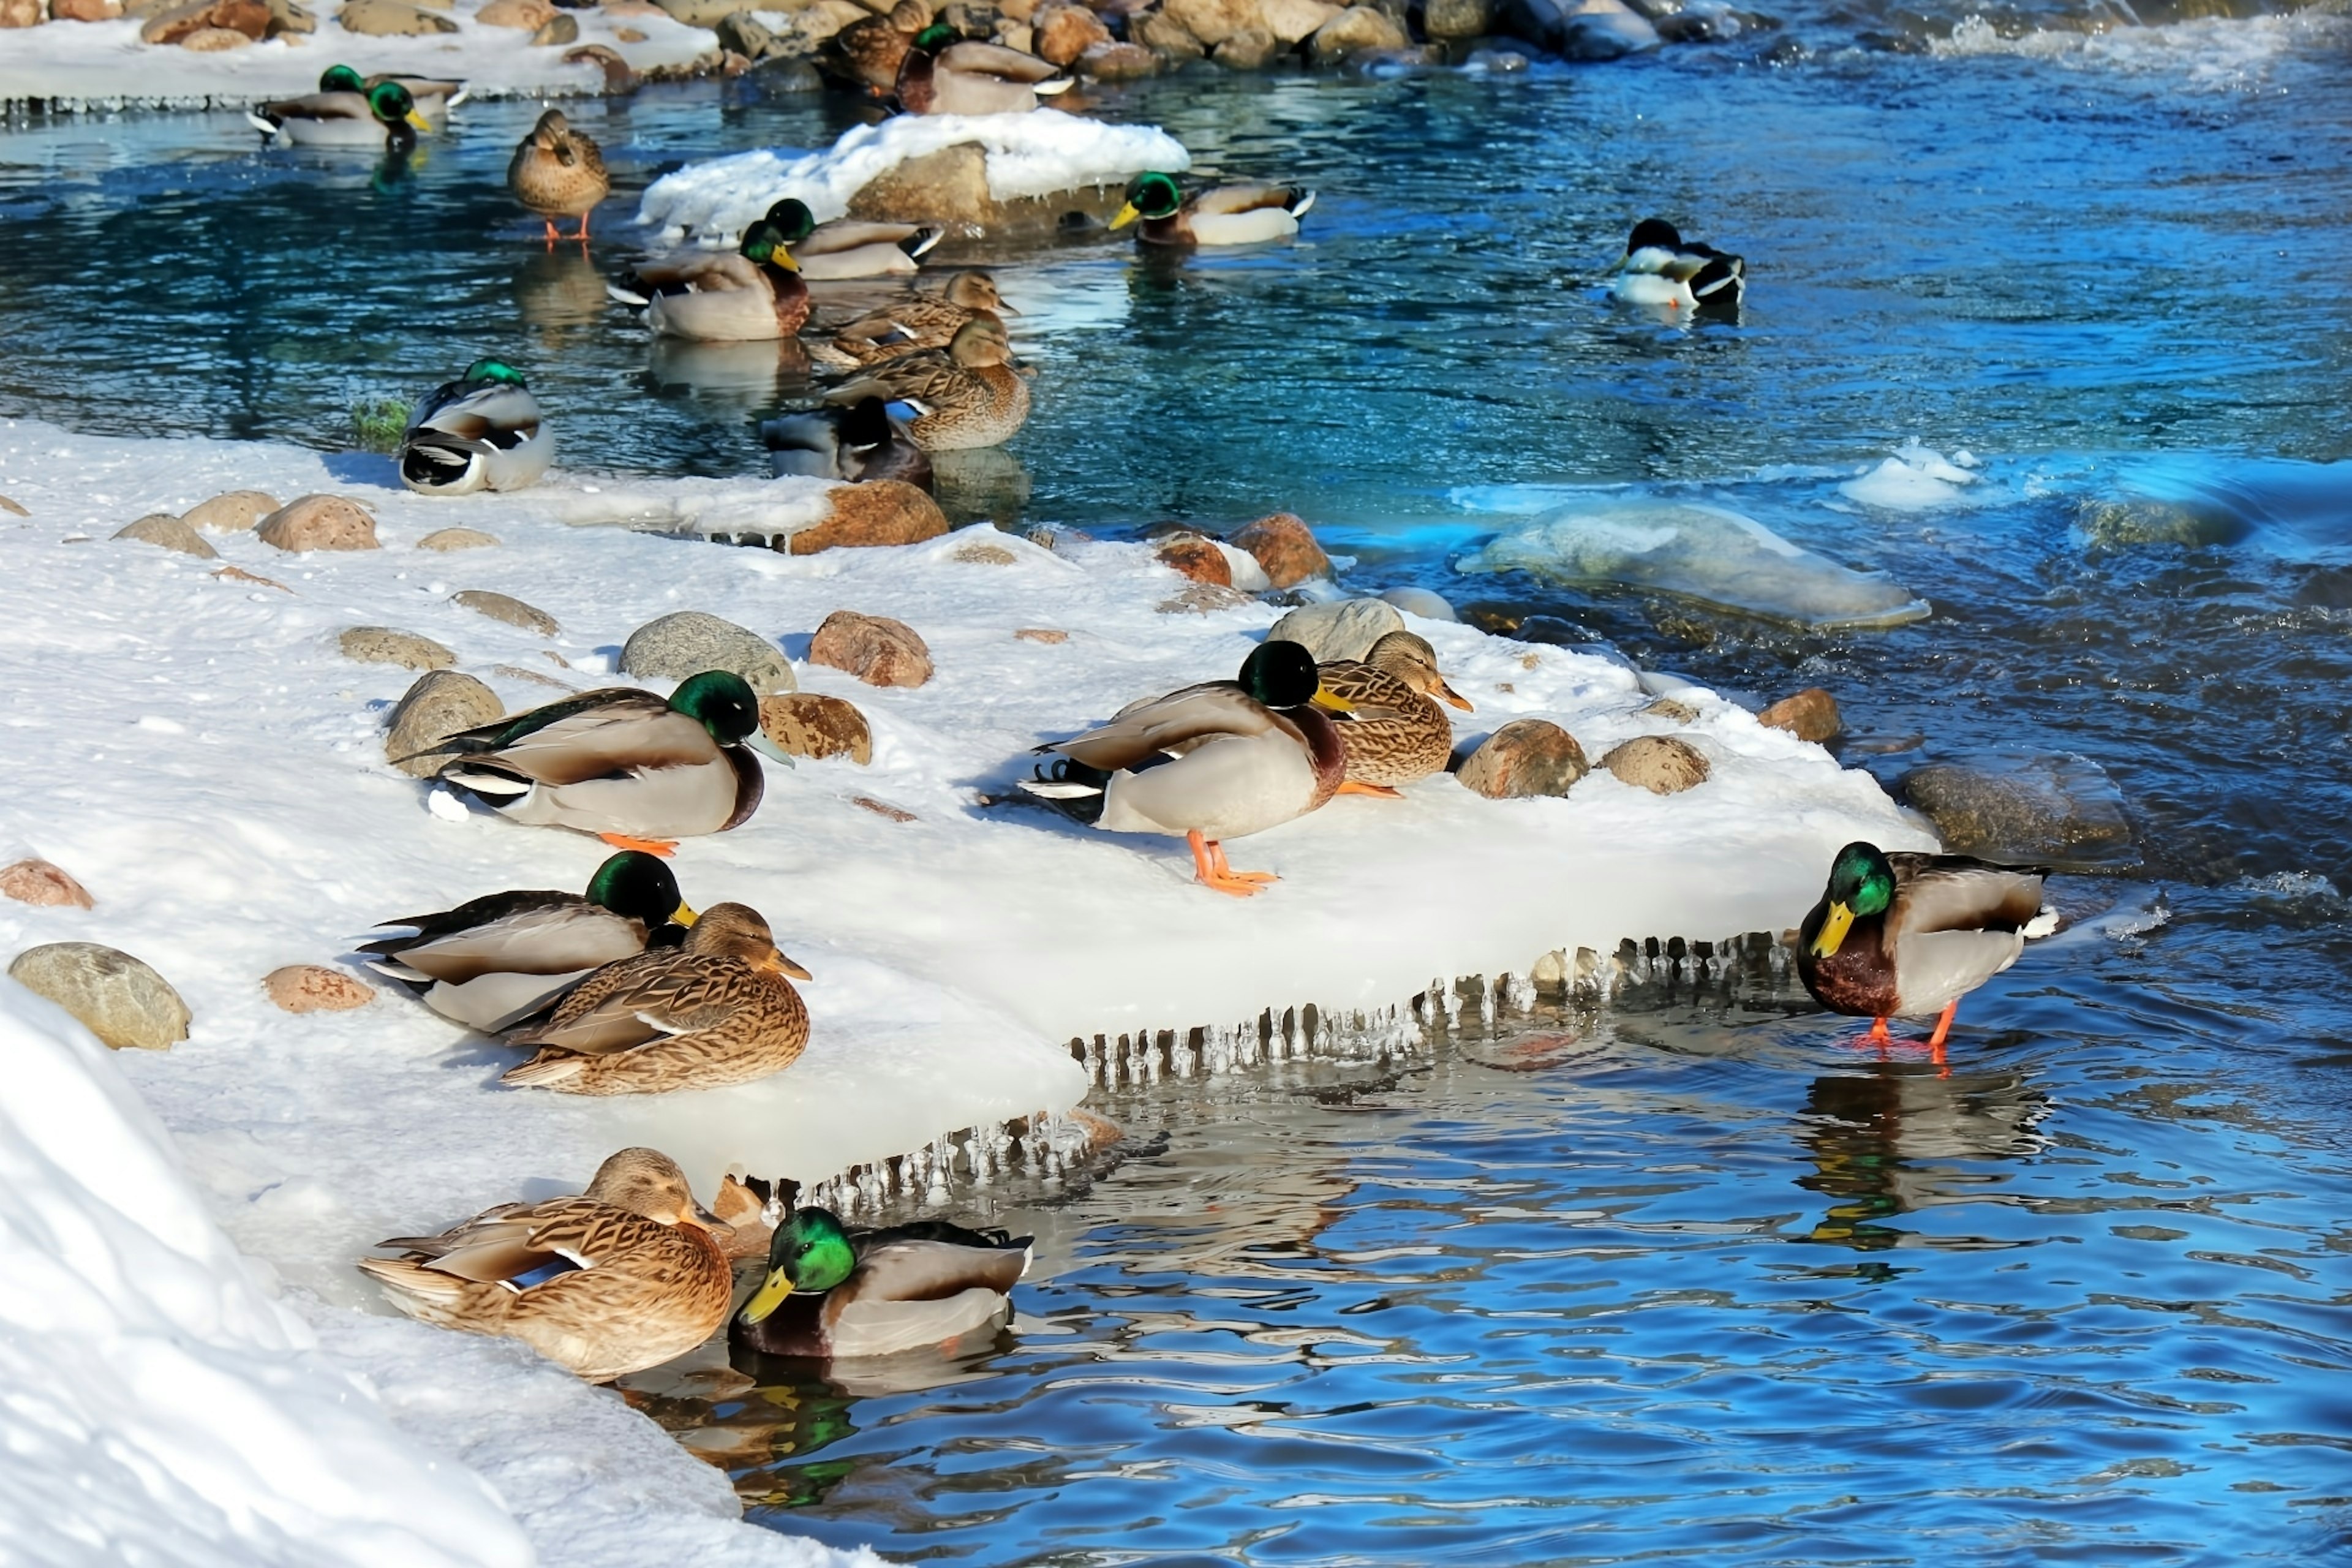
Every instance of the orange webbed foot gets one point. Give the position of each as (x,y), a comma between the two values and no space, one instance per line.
(1210,869)
(1382,791)
(665,847)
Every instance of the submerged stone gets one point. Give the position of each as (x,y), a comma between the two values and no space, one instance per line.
(2060,810)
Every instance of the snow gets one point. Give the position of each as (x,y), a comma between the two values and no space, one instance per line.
(1032,154)
(87,64)
(1916,479)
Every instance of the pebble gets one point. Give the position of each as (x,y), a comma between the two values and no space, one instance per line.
(1285,546)
(1201,598)
(536,677)
(40,882)
(313,988)
(810,724)
(982,554)
(1421,602)
(1042,634)
(513,612)
(873,514)
(390,19)
(1809,715)
(232,511)
(381,645)
(687,642)
(2022,807)
(1673,708)
(438,705)
(117,997)
(1197,558)
(523,15)
(1659,763)
(1060,33)
(319,522)
(1344,628)
(1524,757)
(15,507)
(163,528)
(882,808)
(458,539)
(877,649)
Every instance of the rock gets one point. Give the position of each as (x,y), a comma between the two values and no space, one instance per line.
(881,809)
(1524,757)
(1605,30)
(620,77)
(876,512)
(1251,49)
(1292,20)
(39,882)
(808,724)
(85,10)
(951,187)
(1016,35)
(1286,547)
(1811,715)
(1197,558)
(20,14)
(523,15)
(1215,21)
(1201,598)
(390,19)
(2143,520)
(117,997)
(514,612)
(1458,18)
(239,574)
(458,539)
(2022,807)
(313,988)
(877,649)
(286,17)
(381,645)
(15,508)
(1060,33)
(1117,62)
(1345,629)
(1357,27)
(1164,35)
(231,512)
(1041,634)
(1537,21)
(536,677)
(630,35)
(556,32)
(743,33)
(317,522)
(700,13)
(162,528)
(1681,713)
(1421,602)
(248,19)
(687,642)
(213,40)
(1659,763)
(437,707)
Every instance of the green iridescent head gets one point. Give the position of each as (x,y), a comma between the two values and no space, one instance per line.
(793,219)
(722,701)
(934,37)
(496,370)
(1279,674)
(811,1254)
(340,78)
(764,243)
(1862,884)
(389,102)
(638,887)
(1154,195)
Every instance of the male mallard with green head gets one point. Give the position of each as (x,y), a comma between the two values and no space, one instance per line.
(754,295)
(940,75)
(1222,215)
(432,96)
(833,1292)
(480,431)
(383,116)
(827,252)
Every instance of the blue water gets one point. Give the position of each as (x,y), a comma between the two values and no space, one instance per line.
(1697,1279)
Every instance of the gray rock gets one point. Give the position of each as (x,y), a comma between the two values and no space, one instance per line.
(162,528)
(381,645)
(688,642)
(440,703)
(1524,757)
(2057,809)
(700,13)
(743,32)
(499,608)
(1459,18)
(1421,602)
(117,997)
(2109,524)
(1659,763)
(1537,21)
(1605,34)
(1344,628)
(556,32)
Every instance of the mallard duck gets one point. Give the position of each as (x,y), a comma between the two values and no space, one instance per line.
(829,251)
(754,295)
(940,75)
(625,1276)
(1394,731)
(433,98)
(638,772)
(1222,215)
(493,961)
(1213,762)
(480,431)
(1661,269)
(966,395)
(836,1293)
(858,442)
(1903,935)
(718,1010)
(865,56)
(922,321)
(383,116)
(557,171)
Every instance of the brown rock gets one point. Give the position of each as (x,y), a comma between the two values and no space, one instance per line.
(116,997)
(1042,634)
(745,1214)
(390,19)
(1357,27)
(1811,715)
(1291,20)
(440,704)
(213,40)
(39,882)
(1286,547)
(1251,49)
(523,15)
(1117,62)
(313,988)
(877,649)
(1524,757)
(248,17)
(20,14)
(1164,35)
(1459,18)
(239,574)
(620,77)
(85,10)
(1015,36)
(162,528)
(458,539)
(1215,21)
(807,724)
(317,522)
(232,512)
(1659,763)
(290,21)
(513,612)
(879,512)
(1060,33)
(1198,558)
(637,36)
(557,31)
(16,506)
(882,808)
(381,645)
(1201,598)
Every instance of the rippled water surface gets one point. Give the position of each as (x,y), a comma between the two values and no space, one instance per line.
(1697,1279)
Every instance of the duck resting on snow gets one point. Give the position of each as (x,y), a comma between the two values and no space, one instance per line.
(1904,935)
(833,1292)
(1662,269)
(1222,215)
(480,431)
(1393,729)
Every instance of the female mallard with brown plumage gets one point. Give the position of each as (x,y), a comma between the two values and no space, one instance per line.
(865,56)
(966,395)
(1222,215)
(557,171)
(940,75)
(752,295)
(1217,761)
(716,1011)
(922,321)
(1904,935)
(833,1292)
(1395,732)
(829,252)
(622,1277)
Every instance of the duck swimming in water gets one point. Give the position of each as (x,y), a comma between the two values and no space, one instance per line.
(1661,269)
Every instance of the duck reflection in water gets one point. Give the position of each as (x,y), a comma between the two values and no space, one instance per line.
(1899,1136)
(560,288)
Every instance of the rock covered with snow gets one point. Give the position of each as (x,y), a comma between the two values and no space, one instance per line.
(1342,628)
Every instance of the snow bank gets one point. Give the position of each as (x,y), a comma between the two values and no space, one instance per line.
(154,1404)
(103,65)
(1032,154)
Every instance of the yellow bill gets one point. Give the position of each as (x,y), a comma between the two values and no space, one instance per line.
(683,916)
(767,1297)
(1126,214)
(419,121)
(1833,929)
